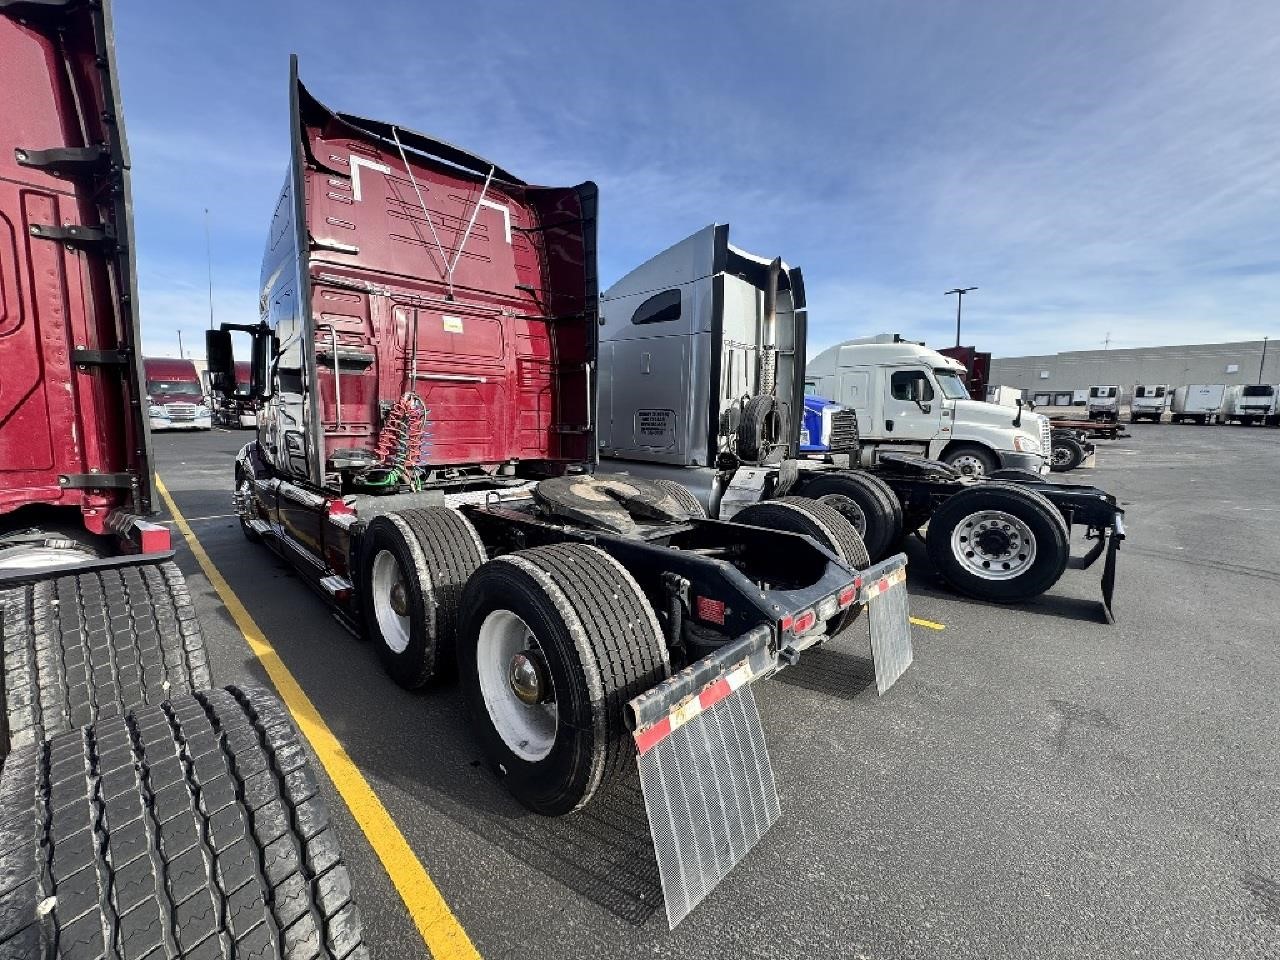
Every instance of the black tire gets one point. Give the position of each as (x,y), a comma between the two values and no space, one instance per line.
(1070,457)
(760,428)
(44,546)
(244,489)
(825,524)
(970,460)
(875,499)
(682,496)
(1047,527)
(81,647)
(190,829)
(435,550)
(601,644)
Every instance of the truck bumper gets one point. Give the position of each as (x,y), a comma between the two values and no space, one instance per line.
(1023,461)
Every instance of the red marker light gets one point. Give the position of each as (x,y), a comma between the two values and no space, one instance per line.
(847,596)
(804,622)
(786,622)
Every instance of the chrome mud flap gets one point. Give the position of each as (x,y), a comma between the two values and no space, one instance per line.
(708,785)
(884,591)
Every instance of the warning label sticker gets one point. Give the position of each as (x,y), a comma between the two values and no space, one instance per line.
(655,428)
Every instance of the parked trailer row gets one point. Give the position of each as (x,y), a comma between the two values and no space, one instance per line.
(142,813)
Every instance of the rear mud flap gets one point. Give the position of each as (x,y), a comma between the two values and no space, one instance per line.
(709,790)
(888,621)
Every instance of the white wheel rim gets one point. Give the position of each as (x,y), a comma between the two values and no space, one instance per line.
(528,730)
(969,465)
(37,557)
(993,545)
(387,578)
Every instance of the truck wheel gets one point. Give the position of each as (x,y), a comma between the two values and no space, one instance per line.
(875,500)
(415,564)
(244,495)
(92,645)
(190,829)
(1067,454)
(36,547)
(999,541)
(682,496)
(555,641)
(1017,474)
(970,461)
(822,522)
(760,427)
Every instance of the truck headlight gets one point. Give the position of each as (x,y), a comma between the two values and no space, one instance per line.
(202,411)
(1025,444)
(158,412)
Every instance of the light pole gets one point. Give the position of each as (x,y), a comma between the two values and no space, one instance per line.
(208,253)
(959,292)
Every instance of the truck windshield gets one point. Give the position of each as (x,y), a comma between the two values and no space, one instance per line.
(174,388)
(1258,391)
(951,385)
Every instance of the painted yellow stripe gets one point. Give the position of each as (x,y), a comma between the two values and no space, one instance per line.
(440,929)
(932,625)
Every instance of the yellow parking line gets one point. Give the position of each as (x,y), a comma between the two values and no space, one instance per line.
(436,923)
(928,623)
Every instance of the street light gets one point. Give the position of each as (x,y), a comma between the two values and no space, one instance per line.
(959,292)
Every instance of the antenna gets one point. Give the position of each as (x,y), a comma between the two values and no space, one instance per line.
(1106,343)
(181,353)
(208,253)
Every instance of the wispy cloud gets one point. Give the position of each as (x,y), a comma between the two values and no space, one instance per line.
(1094,168)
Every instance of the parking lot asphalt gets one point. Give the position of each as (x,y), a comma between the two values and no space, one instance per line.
(1038,784)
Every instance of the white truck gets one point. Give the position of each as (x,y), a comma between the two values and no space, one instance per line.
(1247,404)
(1148,402)
(1103,402)
(1197,402)
(1004,396)
(911,399)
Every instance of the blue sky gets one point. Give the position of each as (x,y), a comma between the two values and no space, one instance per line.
(1093,167)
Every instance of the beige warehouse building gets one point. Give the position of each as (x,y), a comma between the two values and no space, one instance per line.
(1191,363)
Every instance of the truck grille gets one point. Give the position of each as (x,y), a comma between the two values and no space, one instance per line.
(1046,437)
(844,432)
(181,411)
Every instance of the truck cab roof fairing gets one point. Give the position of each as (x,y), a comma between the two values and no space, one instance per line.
(422,226)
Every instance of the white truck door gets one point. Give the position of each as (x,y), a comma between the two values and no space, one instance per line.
(912,406)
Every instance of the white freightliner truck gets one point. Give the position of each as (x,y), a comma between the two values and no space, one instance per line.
(1148,401)
(911,399)
(1248,403)
(700,382)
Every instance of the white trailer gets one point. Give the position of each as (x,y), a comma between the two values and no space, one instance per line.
(1247,404)
(1197,402)
(1003,396)
(1148,402)
(1104,402)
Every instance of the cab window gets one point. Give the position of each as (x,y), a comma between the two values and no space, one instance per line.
(910,385)
(1159,391)
(1140,392)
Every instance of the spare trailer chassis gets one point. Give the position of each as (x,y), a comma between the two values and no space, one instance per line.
(757,598)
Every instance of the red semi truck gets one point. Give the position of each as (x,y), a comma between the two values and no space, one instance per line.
(175,395)
(141,813)
(426,444)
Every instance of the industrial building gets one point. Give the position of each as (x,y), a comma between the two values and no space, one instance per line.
(1076,370)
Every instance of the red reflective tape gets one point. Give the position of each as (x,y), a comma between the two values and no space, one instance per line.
(883,585)
(648,738)
(714,693)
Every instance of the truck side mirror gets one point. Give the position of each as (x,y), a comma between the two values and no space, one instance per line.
(221,359)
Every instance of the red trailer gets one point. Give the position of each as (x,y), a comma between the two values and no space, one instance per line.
(977,365)
(135,802)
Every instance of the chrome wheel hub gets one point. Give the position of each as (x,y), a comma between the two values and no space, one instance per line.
(993,545)
(516,685)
